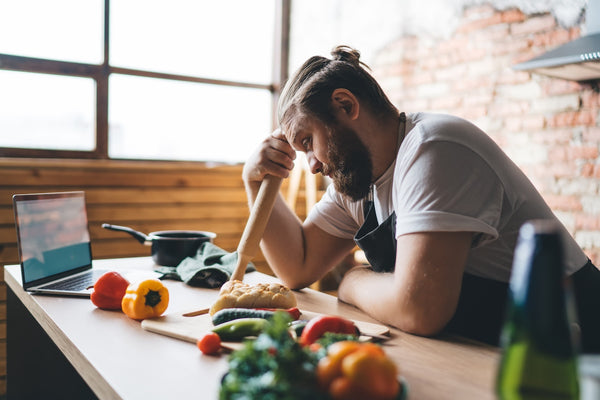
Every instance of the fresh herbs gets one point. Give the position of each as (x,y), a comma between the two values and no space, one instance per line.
(274,366)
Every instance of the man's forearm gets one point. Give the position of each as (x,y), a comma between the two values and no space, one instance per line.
(370,291)
(252,189)
(380,296)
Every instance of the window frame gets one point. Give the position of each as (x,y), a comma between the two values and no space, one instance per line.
(100,73)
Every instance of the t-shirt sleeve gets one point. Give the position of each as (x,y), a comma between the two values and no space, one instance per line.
(336,215)
(445,186)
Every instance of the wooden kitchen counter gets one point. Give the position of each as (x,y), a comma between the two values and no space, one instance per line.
(70,349)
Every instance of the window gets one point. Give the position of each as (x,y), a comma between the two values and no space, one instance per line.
(33,116)
(139,79)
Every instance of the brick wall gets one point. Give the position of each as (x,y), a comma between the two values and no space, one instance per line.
(548,126)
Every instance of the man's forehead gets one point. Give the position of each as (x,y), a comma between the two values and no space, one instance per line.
(295,125)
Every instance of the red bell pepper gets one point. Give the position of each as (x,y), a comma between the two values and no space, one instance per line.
(316,327)
(109,290)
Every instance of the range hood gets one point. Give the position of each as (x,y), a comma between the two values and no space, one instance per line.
(578,60)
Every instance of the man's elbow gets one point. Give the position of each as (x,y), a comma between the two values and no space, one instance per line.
(299,279)
(294,283)
(421,323)
(421,328)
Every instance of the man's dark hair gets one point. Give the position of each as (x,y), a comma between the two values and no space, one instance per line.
(309,90)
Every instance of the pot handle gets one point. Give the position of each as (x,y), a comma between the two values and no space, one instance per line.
(139,236)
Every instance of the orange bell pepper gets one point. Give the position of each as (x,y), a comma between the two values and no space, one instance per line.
(146,299)
(373,373)
(353,370)
(330,367)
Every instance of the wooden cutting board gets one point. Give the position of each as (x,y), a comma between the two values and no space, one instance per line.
(191,326)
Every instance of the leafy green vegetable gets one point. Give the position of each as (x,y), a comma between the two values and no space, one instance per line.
(329,338)
(274,366)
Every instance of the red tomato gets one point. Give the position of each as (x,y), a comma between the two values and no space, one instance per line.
(209,344)
(109,290)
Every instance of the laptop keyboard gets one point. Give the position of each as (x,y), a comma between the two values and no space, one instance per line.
(78,282)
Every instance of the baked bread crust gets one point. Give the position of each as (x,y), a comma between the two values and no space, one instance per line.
(262,295)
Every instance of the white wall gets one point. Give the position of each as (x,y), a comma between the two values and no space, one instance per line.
(319,25)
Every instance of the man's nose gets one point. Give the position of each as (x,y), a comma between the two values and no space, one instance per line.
(315,165)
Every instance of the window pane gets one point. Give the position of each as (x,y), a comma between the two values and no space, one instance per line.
(66,30)
(226,39)
(41,111)
(161,119)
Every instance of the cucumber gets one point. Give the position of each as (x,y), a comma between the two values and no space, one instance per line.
(229,314)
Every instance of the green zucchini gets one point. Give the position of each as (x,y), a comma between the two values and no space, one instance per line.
(240,328)
(230,314)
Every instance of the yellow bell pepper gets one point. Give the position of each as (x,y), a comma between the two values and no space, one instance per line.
(146,299)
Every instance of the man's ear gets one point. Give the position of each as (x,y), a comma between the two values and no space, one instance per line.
(346,103)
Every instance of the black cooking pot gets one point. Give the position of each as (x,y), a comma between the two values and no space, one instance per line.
(169,248)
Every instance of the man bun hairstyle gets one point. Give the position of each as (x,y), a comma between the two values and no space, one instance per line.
(347,54)
(309,89)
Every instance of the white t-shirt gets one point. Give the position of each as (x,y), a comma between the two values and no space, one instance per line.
(450,176)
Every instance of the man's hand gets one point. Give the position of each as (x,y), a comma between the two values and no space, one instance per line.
(274,157)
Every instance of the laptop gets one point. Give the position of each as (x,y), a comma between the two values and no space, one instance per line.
(54,243)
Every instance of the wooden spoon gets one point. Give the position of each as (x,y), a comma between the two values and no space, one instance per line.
(255,227)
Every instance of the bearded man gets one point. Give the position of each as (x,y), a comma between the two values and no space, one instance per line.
(432,201)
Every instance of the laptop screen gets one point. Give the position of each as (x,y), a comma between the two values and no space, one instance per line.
(53,235)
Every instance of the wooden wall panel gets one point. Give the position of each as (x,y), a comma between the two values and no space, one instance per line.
(147,196)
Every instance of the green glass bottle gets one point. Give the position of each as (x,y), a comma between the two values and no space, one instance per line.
(539,357)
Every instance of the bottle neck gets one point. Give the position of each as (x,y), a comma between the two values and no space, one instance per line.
(538,293)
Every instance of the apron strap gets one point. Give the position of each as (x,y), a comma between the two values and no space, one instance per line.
(378,241)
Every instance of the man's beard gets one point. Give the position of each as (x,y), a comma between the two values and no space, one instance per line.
(350,166)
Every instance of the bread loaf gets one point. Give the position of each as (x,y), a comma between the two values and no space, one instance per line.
(263,295)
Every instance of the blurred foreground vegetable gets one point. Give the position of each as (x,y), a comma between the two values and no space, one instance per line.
(356,371)
(334,365)
(274,366)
